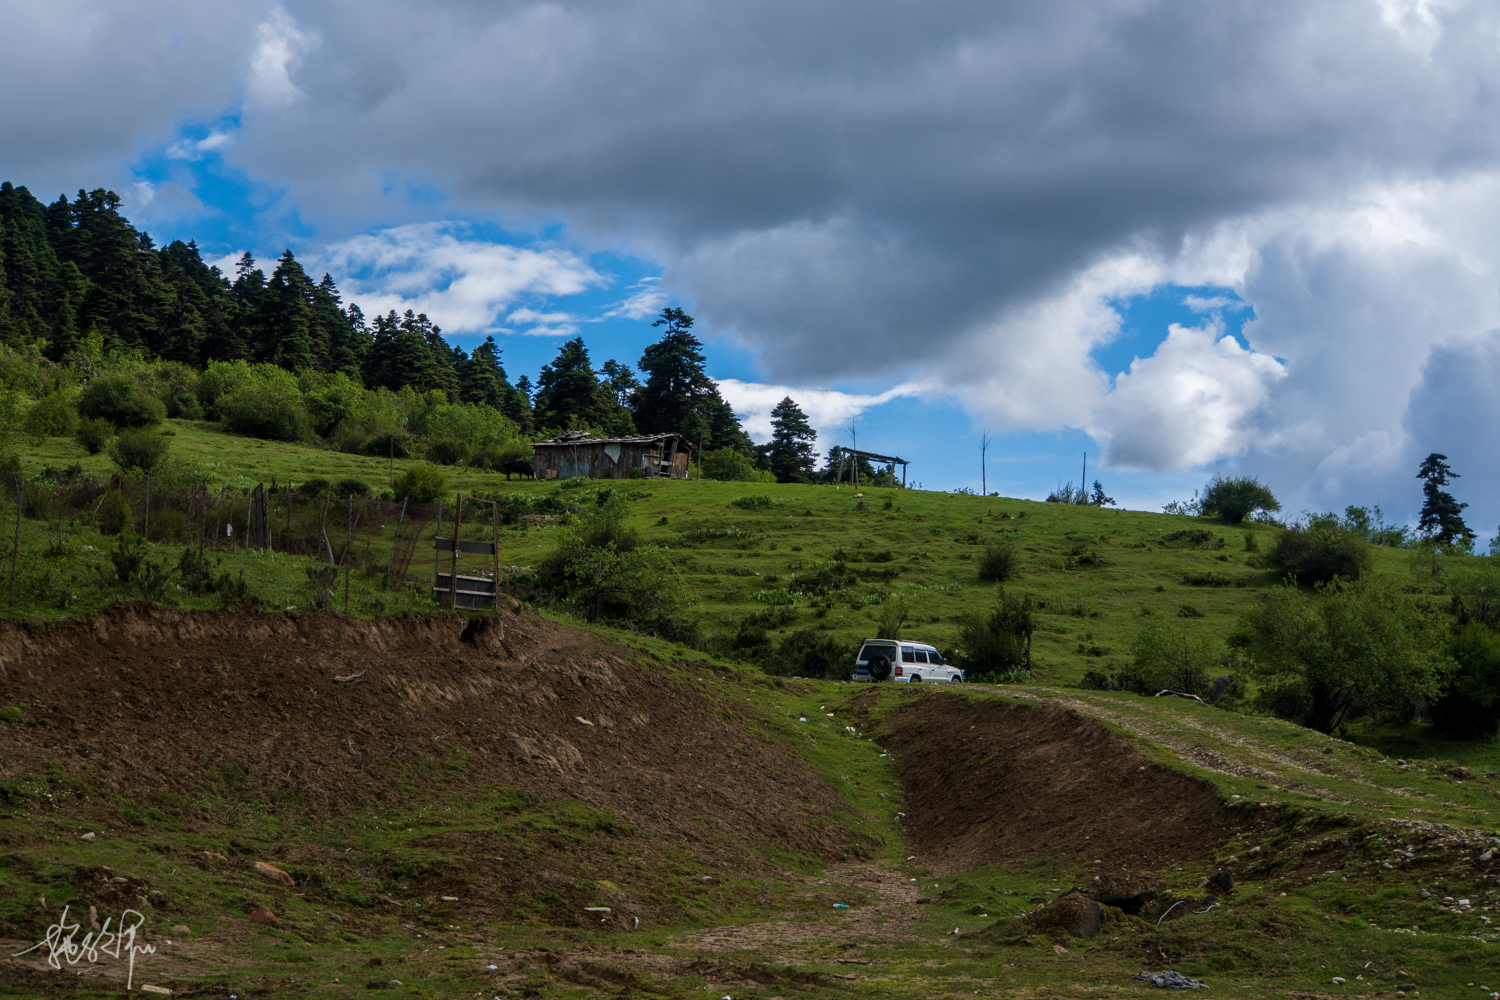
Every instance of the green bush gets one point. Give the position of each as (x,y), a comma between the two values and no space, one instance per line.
(182,404)
(1233,500)
(114,513)
(1168,656)
(351,487)
(387,445)
(1000,641)
(314,487)
(139,449)
(261,401)
(423,483)
(1318,552)
(752,503)
(51,416)
(93,434)
(447,451)
(729,466)
(810,652)
(999,562)
(1469,709)
(120,401)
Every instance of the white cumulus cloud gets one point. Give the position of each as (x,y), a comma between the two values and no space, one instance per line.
(1188,404)
(829,411)
(464,284)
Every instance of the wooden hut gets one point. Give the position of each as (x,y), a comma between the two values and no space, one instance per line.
(577,454)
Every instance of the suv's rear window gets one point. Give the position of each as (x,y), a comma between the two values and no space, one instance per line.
(871,649)
(908,656)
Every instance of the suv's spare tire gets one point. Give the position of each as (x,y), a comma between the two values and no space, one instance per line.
(879,667)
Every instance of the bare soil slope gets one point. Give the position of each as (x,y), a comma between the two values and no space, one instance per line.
(989,781)
(322,717)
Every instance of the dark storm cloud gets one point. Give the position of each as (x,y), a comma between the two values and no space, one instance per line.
(950,192)
(826,177)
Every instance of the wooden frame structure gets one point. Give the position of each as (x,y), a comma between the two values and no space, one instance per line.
(872,457)
(468,591)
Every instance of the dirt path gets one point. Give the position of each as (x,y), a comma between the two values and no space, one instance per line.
(887,919)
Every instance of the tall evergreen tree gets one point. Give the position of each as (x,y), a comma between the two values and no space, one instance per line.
(676,384)
(621,381)
(1442,515)
(569,396)
(285,317)
(481,377)
(790,452)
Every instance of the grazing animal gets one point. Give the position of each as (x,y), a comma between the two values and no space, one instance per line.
(519,465)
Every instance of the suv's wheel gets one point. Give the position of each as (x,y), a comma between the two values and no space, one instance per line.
(879,667)
(915,678)
(954,679)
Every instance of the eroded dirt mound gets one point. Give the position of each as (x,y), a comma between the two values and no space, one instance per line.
(989,781)
(334,717)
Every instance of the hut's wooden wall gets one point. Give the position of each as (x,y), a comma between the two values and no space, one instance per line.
(592,459)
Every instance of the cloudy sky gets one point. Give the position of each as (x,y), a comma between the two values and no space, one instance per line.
(1179,236)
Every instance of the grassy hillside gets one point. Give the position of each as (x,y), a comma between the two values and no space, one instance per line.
(1098,574)
(481,796)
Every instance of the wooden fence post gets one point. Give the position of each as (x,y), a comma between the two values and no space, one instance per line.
(396,542)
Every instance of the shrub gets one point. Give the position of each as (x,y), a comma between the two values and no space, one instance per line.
(114,513)
(423,483)
(351,487)
(752,503)
(1000,641)
(1470,707)
(600,568)
(810,652)
(51,416)
(270,419)
(139,449)
(388,445)
(93,434)
(1168,656)
(1345,645)
(729,466)
(182,404)
(260,400)
(1319,552)
(1233,500)
(447,451)
(314,487)
(1193,538)
(1000,562)
(120,401)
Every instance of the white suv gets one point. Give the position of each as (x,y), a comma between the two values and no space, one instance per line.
(893,660)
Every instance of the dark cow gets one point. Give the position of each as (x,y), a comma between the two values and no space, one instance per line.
(519,465)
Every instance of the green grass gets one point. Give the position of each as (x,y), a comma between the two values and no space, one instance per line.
(1101,573)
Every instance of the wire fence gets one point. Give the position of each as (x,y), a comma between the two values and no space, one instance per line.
(402,544)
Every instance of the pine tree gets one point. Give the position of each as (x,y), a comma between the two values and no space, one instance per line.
(285,317)
(676,384)
(1442,515)
(481,377)
(790,452)
(621,381)
(570,397)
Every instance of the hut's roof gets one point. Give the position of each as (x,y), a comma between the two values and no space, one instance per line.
(583,437)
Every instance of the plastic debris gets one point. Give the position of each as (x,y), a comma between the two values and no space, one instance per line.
(841,906)
(88,838)
(1170,980)
(1337,980)
(491,968)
